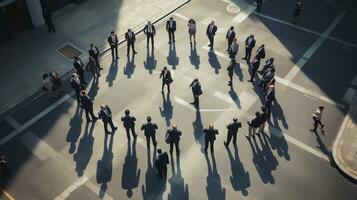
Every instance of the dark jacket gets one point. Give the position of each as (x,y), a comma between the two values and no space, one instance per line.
(210,133)
(92,53)
(86,102)
(171,29)
(251,44)
(255,63)
(149,128)
(111,42)
(105,114)
(213,32)
(255,123)
(162,160)
(261,52)
(196,87)
(167,79)
(233,127)
(128,121)
(230,37)
(174,134)
(129,39)
(77,86)
(79,66)
(146,29)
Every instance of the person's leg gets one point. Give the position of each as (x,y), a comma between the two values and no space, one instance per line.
(231,79)
(78,97)
(148,141)
(127,48)
(160,171)
(268,105)
(116,51)
(164,169)
(169,37)
(168,87)
(249,131)
(190,36)
(112,125)
(147,41)
(152,41)
(106,127)
(211,142)
(87,114)
(229,44)
(171,147)
(177,147)
(133,131)
(127,133)
(249,54)
(206,145)
(234,138)
(133,47)
(173,36)
(212,42)
(194,38)
(315,124)
(112,51)
(229,137)
(162,86)
(154,140)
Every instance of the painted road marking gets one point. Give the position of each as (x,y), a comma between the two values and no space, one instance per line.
(12,122)
(6,195)
(181,16)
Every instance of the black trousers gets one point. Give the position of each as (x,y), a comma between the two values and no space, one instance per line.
(49,24)
(131,44)
(316,123)
(211,40)
(153,138)
(112,49)
(110,122)
(259,5)
(253,73)
(78,93)
(230,78)
(171,36)
(268,107)
(163,85)
(248,53)
(176,143)
(96,58)
(210,143)
(128,129)
(162,171)
(230,136)
(89,111)
(196,99)
(229,44)
(148,37)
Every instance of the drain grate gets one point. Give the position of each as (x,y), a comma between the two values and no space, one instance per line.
(69,51)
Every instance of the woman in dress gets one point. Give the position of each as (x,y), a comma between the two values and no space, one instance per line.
(192,30)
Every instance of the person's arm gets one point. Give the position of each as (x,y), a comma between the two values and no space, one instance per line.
(142,127)
(155,126)
(167,25)
(153,29)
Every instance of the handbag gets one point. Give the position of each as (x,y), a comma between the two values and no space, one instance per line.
(167,138)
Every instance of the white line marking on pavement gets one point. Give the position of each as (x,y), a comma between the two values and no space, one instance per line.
(34,119)
(72,188)
(12,122)
(181,16)
(244,14)
(223,97)
(37,146)
(348,96)
(184,103)
(295,69)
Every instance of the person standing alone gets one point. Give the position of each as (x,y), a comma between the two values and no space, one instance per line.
(129,124)
(211,32)
(317,119)
(113,42)
(171,28)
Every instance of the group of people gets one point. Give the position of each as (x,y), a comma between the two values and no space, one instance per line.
(52,84)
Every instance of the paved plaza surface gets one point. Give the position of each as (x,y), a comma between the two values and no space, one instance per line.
(55,154)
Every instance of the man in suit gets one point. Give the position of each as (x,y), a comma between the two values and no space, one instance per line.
(298,8)
(149,31)
(269,98)
(233,50)
(230,37)
(161,161)
(87,104)
(149,129)
(129,124)
(255,65)
(230,70)
(48,20)
(249,45)
(268,75)
(196,91)
(232,131)
(79,67)
(268,64)
(106,115)
(261,52)
(259,4)
(166,79)
(113,42)
(211,32)
(94,52)
(77,86)
(174,135)
(130,39)
(171,28)
(317,119)
(210,137)
(253,124)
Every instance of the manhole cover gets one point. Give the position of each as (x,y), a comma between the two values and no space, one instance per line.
(233,8)
(69,51)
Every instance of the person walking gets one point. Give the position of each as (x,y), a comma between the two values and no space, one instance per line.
(94,52)
(149,129)
(92,67)
(173,138)
(254,68)
(317,119)
(232,131)
(196,91)
(149,31)
(211,32)
(87,105)
(130,39)
(171,28)
(249,45)
(210,137)
(161,162)
(230,70)
(3,166)
(79,67)
(253,126)
(113,43)
(230,36)
(260,52)
(166,79)
(129,124)
(192,30)
(259,4)
(48,20)
(298,8)
(106,115)
(77,86)
(233,50)
(269,98)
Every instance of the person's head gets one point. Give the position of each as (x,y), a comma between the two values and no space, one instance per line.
(75,57)
(235,39)
(165,68)
(84,93)
(257,114)
(171,18)
(129,193)
(102,106)
(91,45)
(272,69)
(211,126)
(74,75)
(112,32)
(148,118)
(235,119)
(159,151)
(252,36)
(262,45)
(129,30)
(191,21)
(272,59)
(127,112)
(149,22)
(232,27)
(174,126)
(196,79)
(44,76)
(321,107)
(212,22)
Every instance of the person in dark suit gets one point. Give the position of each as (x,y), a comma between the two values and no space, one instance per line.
(232,131)
(230,70)
(94,52)
(196,91)
(261,52)
(48,20)
(269,98)
(87,104)
(149,31)
(129,124)
(171,28)
(106,115)
(259,4)
(166,79)
(161,161)
(211,32)
(230,36)
(173,135)
(267,76)
(268,64)
(3,166)
(113,42)
(253,124)
(79,67)
(249,45)
(77,86)
(130,39)
(210,137)
(255,66)
(298,8)
(233,50)
(149,129)
(263,119)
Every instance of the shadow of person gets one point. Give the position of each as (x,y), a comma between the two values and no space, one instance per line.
(179,190)
(150,63)
(278,114)
(85,149)
(167,109)
(323,147)
(75,131)
(213,61)
(198,129)
(238,71)
(240,178)
(172,58)
(154,187)
(278,143)
(232,93)
(112,74)
(130,66)
(214,186)
(105,165)
(194,57)
(131,175)
(93,91)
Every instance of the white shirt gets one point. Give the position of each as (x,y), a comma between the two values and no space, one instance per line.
(230,33)
(170,23)
(149,29)
(94,50)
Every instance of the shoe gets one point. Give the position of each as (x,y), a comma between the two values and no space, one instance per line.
(100,68)
(115,128)
(250,80)
(173,41)
(244,58)
(322,126)
(192,103)
(135,52)
(162,91)
(209,45)
(225,144)
(313,130)
(169,43)
(227,50)
(127,54)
